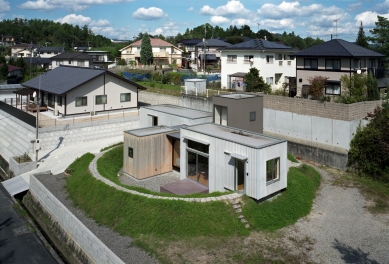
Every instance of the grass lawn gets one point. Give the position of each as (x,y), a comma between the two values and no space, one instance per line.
(178,231)
(160,88)
(291,158)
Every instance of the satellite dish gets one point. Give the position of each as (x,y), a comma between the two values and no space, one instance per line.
(251,60)
(359,71)
(34,94)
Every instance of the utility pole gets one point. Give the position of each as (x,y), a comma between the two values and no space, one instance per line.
(205,46)
(258,30)
(336,27)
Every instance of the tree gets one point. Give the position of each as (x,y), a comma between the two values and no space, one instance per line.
(4,71)
(381,33)
(369,149)
(354,88)
(255,83)
(2,59)
(146,51)
(361,39)
(372,88)
(234,40)
(12,61)
(318,84)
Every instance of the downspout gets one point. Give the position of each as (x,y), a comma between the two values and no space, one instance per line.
(65,103)
(104,92)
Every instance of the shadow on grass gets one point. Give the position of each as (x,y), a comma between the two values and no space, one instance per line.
(352,255)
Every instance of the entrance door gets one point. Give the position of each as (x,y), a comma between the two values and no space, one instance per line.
(239,175)
(176,154)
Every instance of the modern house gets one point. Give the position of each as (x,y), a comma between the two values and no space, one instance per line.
(48,52)
(164,52)
(7,40)
(70,90)
(226,158)
(100,58)
(273,60)
(188,46)
(172,115)
(333,59)
(205,150)
(243,111)
(78,59)
(210,49)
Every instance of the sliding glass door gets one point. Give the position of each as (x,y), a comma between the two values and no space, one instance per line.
(198,167)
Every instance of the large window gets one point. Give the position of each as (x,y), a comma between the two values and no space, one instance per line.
(269,80)
(272,169)
(81,101)
(248,58)
(357,63)
(125,97)
(310,63)
(50,99)
(269,59)
(332,64)
(371,63)
(231,58)
(80,63)
(198,146)
(333,88)
(101,99)
(197,162)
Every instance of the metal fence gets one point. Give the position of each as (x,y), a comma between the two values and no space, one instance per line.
(19,114)
(45,121)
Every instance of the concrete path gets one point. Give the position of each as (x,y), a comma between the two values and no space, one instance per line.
(19,243)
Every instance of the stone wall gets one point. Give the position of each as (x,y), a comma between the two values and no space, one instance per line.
(75,241)
(156,99)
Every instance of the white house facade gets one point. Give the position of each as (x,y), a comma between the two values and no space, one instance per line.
(271,59)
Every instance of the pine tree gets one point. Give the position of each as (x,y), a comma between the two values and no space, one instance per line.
(146,51)
(361,39)
(12,61)
(3,71)
(380,35)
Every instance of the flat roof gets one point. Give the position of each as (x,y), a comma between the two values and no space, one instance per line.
(179,111)
(147,131)
(243,137)
(238,95)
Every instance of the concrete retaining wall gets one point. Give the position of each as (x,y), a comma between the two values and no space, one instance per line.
(81,245)
(156,99)
(199,103)
(61,136)
(21,168)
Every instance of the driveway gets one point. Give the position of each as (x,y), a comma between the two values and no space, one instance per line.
(341,228)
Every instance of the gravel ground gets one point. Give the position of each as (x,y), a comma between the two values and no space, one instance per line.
(152,183)
(120,245)
(342,229)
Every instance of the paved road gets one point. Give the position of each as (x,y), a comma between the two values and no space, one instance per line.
(18,244)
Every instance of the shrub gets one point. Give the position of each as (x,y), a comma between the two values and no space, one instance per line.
(369,149)
(318,84)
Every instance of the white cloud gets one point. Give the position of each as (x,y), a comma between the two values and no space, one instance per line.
(152,13)
(190,8)
(4,6)
(368,18)
(284,24)
(74,5)
(293,10)
(158,31)
(113,33)
(232,8)
(219,20)
(382,6)
(101,25)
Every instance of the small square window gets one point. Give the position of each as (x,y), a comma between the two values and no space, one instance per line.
(252,116)
(272,169)
(81,101)
(101,99)
(130,152)
(125,97)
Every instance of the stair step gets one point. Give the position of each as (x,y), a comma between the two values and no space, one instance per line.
(239,210)
(247,226)
(236,206)
(241,216)
(244,220)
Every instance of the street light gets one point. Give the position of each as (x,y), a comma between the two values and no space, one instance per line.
(37,103)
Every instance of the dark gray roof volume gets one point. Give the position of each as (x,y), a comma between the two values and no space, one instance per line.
(213,43)
(257,44)
(72,55)
(51,49)
(337,48)
(65,78)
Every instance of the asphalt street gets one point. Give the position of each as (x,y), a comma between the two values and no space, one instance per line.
(19,243)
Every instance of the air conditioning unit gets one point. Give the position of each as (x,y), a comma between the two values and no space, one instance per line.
(56,112)
(92,113)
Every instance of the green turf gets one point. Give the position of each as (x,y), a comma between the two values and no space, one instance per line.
(291,158)
(285,209)
(135,215)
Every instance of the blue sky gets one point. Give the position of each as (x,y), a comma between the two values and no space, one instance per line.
(123,19)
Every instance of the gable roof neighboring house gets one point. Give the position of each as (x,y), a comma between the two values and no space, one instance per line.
(154,42)
(189,42)
(257,44)
(66,78)
(72,59)
(47,51)
(337,48)
(72,55)
(213,43)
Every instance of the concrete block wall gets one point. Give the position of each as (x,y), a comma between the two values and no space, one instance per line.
(199,103)
(62,136)
(156,99)
(21,168)
(15,136)
(88,243)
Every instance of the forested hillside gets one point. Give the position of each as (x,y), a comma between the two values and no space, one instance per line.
(46,32)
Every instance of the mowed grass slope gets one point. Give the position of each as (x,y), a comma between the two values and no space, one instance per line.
(135,215)
(287,208)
